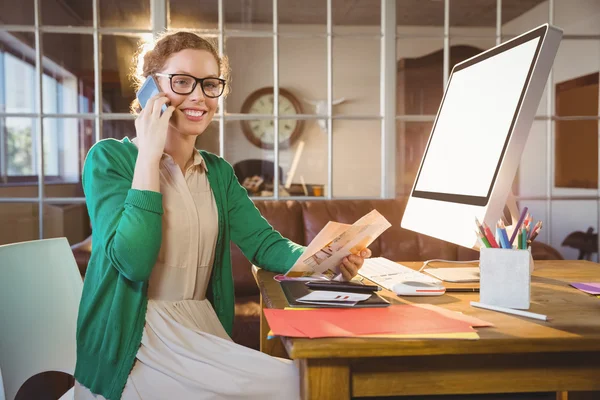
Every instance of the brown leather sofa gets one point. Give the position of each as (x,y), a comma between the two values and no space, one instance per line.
(300,221)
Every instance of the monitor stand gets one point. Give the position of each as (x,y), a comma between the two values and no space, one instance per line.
(510,216)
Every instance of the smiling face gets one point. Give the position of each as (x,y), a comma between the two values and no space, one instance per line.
(194,111)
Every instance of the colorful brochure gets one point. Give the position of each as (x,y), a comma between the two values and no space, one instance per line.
(336,241)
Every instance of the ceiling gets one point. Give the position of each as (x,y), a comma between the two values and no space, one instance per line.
(463,13)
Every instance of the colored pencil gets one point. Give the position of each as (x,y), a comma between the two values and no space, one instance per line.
(518,226)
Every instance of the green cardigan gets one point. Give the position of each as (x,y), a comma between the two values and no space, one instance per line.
(126,239)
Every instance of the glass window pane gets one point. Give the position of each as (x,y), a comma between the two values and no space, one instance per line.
(60,220)
(303,71)
(52,142)
(574,225)
(117,64)
(66,142)
(416,17)
(302,16)
(532,176)
(250,161)
(304,163)
(118,129)
(17,12)
(411,141)
(209,139)
(71,65)
(19,221)
(307,176)
(577,81)
(18,149)
(67,13)
(520,16)
(50,94)
(577,17)
(125,14)
(262,101)
(462,48)
(251,62)
(68,220)
(19,95)
(347,15)
(352,178)
(576,155)
(199,14)
(577,96)
(356,84)
(254,15)
(419,78)
(473,18)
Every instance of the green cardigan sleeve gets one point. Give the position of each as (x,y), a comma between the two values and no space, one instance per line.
(126,223)
(260,243)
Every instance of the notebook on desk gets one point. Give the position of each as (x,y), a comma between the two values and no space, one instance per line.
(294,290)
(387,273)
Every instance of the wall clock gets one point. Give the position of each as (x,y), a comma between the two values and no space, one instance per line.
(261,133)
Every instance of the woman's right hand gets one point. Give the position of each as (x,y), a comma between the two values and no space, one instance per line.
(151,127)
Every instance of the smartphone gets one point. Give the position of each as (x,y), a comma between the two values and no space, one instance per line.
(342,286)
(148,89)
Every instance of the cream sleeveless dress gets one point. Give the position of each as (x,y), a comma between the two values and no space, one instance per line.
(185,352)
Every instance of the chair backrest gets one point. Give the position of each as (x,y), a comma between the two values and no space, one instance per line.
(40,290)
(1,387)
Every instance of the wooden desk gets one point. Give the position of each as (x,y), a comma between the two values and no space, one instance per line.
(517,355)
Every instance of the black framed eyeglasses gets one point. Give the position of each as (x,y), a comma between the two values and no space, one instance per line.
(185,84)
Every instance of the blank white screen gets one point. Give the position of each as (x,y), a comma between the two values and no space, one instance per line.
(474,122)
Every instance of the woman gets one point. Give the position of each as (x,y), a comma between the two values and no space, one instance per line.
(158,304)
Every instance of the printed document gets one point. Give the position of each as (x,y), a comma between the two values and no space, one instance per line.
(336,241)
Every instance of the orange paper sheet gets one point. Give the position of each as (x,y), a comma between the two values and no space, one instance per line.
(396,320)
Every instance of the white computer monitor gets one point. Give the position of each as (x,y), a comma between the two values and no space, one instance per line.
(478,137)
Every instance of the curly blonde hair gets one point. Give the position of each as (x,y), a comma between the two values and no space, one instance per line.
(165,45)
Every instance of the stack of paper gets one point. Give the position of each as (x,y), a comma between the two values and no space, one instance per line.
(399,321)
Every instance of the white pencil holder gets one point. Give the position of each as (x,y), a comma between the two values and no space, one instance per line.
(505,277)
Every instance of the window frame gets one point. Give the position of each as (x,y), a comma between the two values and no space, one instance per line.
(388,114)
(54,116)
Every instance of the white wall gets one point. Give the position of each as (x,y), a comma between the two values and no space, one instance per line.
(575,58)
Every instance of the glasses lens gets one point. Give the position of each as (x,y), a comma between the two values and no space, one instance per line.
(213,87)
(182,84)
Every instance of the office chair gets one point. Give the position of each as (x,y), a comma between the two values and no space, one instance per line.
(40,288)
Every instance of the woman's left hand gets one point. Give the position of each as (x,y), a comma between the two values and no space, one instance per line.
(351,264)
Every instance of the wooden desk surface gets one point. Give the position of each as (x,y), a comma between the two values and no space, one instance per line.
(575,324)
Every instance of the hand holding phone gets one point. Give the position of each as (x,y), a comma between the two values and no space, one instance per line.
(148,89)
(153,122)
